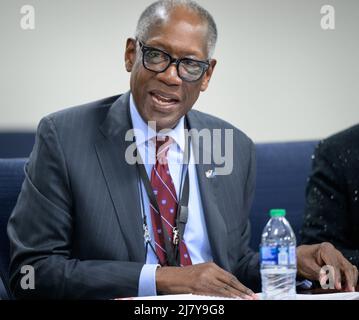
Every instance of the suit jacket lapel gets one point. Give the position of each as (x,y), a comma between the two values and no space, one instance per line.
(121,177)
(209,189)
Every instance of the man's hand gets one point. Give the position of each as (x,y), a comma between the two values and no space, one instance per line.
(202,279)
(311,258)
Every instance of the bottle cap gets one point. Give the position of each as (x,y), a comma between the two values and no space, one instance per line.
(277,212)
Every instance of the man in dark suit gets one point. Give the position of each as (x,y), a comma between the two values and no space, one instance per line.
(332,207)
(93,224)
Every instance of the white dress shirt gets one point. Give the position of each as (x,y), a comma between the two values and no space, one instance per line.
(195,235)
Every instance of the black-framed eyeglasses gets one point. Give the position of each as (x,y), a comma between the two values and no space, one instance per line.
(157,60)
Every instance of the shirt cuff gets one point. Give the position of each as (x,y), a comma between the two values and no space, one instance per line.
(147,281)
(304,284)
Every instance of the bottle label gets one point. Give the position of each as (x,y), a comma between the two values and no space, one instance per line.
(292,255)
(278,255)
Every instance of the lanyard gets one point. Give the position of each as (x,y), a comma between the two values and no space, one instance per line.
(172,249)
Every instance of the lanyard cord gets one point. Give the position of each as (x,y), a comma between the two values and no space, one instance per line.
(181,212)
(146,233)
(172,249)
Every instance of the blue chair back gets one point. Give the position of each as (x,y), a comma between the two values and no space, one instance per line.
(11,178)
(16,144)
(282,172)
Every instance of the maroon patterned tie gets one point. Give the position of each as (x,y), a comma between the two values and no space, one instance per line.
(165,193)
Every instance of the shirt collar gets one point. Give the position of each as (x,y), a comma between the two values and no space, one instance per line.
(143,132)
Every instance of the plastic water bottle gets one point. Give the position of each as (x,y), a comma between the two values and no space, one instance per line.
(278,258)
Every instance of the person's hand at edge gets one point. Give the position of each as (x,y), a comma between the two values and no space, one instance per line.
(311,259)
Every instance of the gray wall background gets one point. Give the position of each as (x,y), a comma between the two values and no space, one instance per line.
(279,76)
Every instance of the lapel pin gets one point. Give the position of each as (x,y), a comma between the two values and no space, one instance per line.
(210,174)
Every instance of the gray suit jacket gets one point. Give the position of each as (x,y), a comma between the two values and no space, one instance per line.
(78,220)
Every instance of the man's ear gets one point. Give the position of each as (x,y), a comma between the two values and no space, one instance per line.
(130,54)
(207,76)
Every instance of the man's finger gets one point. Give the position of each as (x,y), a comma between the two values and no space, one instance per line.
(350,273)
(328,254)
(222,289)
(329,277)
(233,282)
(356,274)
(337,277)
(334,268)
(230,283)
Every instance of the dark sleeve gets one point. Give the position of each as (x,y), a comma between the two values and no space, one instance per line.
(247,270)
(327,213)
(40,230)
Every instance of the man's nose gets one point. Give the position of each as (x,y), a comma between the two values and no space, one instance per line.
(170,76)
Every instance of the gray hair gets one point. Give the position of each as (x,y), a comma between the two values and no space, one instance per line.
(158,11)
